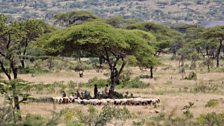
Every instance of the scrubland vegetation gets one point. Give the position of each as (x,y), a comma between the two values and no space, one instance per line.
(182,66)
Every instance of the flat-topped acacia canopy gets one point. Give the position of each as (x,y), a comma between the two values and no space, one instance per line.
(100,39)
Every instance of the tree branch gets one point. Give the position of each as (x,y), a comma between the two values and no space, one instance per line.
(122,66)
(9,41)
(14,69)
(2,54)
(108,59)
(5,71)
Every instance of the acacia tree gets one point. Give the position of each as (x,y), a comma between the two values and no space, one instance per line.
(14,38)
(98,39)
(216,34)
(74,17)
(9,53)
(32,29)
(119,22)
(165,36)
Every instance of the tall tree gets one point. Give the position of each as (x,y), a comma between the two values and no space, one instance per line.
(98,39)
(165,36)
(32,29)
(10,38)
(14,38)
(216,34)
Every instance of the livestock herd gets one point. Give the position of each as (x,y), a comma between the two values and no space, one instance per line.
(124,101)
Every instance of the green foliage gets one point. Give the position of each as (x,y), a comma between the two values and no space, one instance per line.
(74,18)
(14,41)
(212,103)
(108,113)
(165,36)
(33,120)
(127,83)
(132,83)
(215,33)
(212,119)
(7,116)
(94,37)
(98,118)
(119,22)
(99,82)
(32,70)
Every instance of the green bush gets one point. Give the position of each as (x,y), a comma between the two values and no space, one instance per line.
(212,103)
(33,120)
(211,119)
(33,70)
(132,83)
(99,82)
(127,83)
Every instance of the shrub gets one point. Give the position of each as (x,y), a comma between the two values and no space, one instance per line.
(33,120)
(82,66)
(99,82)
(132,83)
(211,119)
(96,118)
(108,113)
(212,103)
(30,70)
(126,83)
(206,88)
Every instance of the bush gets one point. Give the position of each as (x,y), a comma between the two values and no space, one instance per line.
(82,66)
(100,118)
(36,70)
(212,103)
(132,83)
(207,87)
(108,113)
(33,120)
(99,82)
(212,119)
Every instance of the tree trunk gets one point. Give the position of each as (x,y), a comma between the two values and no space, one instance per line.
(14,90)
(208,67)
(218,53)
(112,87)
(5,71)
(15,97)
(14,69)
(151,72)
(22,63)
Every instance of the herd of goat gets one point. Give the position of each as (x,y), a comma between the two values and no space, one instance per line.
(124,101)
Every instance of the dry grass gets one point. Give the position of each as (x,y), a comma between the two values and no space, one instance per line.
(166,87)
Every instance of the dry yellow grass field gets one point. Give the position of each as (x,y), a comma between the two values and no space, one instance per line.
(168,86)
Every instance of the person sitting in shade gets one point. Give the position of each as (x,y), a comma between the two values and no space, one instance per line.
(78,95)
(63,94)
(95,91)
